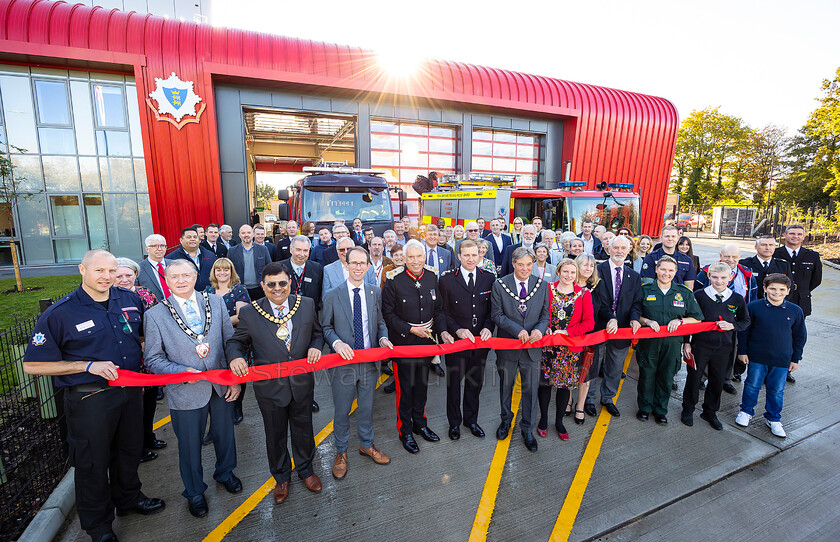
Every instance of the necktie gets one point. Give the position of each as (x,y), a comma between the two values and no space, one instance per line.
(288,340)
(794,255)
(766,265)
(358,328)
(431,258)
(522,295)
(617,287)
(193,319)
(162,275)
(471,283)
(719,298)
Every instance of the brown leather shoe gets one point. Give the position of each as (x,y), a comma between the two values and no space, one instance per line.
(339,469)
(313,483)
(374,453)
(281,491)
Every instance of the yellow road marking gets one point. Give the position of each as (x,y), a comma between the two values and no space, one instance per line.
(494,477)
(161,423)
(568,513)
(251,502)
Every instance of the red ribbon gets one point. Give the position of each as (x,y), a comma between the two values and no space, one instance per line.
(302,366)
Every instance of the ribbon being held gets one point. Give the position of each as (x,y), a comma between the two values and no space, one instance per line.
(301,366)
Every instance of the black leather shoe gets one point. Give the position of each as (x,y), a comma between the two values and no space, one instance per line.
(737,378)
(390,388)
(207,439)
(438,370)
(475,429)
(148,456)
(315,407)
(713,421)
(703,385)
(146,507)
(107,537)
(157,445)
(198,506)
(612,409)
(387,370)
(427,434)
(237,414)
(729,388)
(159,394)
(589,408)
(660,419)
(642,415)
(530,441)
(503,430)
(687,418)
(454,433)
(232,484)
(674,386)
(790,378)
(409,444)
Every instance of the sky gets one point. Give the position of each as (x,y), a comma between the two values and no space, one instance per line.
(761,61)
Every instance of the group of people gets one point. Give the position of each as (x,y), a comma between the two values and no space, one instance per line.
(218,303)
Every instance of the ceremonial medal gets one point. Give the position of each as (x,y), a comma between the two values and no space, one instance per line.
(202,348)
(282,332)
(522,306)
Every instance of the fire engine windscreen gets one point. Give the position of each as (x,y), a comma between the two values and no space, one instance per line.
(324,203)
(612,213)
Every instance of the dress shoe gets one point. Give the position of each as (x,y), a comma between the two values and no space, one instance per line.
(563,434)
(580,420)
(237,414)
(409,444)
(542,432)
(568,411)
(713,421)
(589,408)
(530,441)
(232,484)
(642,415)
(379,457)
(390,388)
(207,439)
(729,388)
(687,417)
(312,483)
(315,407)
(503,430)
(281,491)
(198,506)
(146,507)
(427,434)
(148,456)
(703,384)
(159,394)
(387,370)
(475,429)
(157,445)
(736,377)
(339,469)
(674,386)
(454,433)
(660,419)
(107,537)
(439,370)
(790,379)
(612,409)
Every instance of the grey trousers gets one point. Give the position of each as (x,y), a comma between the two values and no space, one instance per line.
(529,372)
(612,363)
(354,381)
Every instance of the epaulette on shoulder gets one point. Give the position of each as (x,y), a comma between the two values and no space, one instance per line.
(430,268)
(647,280)
(447,272)
(394,272)
(684,287)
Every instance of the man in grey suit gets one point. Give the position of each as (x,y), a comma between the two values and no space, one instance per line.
(520,311)
(336,273)
(182,336)
(352,320)
(152,275)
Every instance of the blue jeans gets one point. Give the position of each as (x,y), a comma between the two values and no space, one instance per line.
(774,379)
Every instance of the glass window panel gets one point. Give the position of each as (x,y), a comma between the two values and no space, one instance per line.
(89,168)
(439,161)
(70,250)
(479,135)
(527,139)
(19,113)
(482,163)
(35,230)
(134,121)
(379,141)
(61,173)
(52,102)
(409,175)
(442,145)
(523,151)
(482,147)
(441,132)
(28,172)
(67,216)
(123,225)
(108,105)
(83,117)
(117,174)
(57,140)
(3,147)
(412,157)
(112,143)
(416,129)
(504,137)
(504,164)
(380,158)
(6,253)
(95,218)
(508,151)
(140,175)
(388,127)
(526,166)
(7,224)
(144,208)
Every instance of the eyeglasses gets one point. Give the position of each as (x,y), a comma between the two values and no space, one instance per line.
(343,250)
(356,264)
(156,246)
(126,326)
(274,285)
(471,229)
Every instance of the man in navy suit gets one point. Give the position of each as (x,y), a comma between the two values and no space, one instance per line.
(436,257)
(248,260)
(212,242)
(200,257)
(499,241)
(529,234)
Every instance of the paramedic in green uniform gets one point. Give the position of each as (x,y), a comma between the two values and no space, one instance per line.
(664,303)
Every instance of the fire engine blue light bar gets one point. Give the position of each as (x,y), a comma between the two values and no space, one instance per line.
(575,184)
(623,186)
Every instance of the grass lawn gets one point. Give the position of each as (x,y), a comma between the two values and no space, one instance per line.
(25,304)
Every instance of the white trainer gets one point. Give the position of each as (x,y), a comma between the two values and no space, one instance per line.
(743,419)
(776,428)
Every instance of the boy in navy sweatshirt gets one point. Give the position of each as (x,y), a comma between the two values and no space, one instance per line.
(771,347)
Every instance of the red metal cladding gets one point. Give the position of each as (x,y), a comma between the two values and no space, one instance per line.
(609,135)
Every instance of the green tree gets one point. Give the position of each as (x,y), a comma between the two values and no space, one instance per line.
(265,194)
(763,158)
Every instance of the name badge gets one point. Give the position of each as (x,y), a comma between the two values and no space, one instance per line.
(131,309)
(650,298)
(85,325)
(307,279)
(680,304)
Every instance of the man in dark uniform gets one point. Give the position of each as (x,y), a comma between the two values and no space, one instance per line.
(413,311)
(82,340)
(685,265)
(466,294)
(765,263)
(805,270)
(284,250)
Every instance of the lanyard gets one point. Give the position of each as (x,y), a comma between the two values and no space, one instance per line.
(300,279)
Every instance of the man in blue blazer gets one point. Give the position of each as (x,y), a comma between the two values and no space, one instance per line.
(440,259)
(200,257)
(336,273)
(249,259)
(499,241)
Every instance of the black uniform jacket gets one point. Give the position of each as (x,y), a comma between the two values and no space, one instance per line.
(404,304)
(464,308)
(806,274)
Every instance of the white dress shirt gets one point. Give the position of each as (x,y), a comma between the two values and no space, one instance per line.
(791,250)
(466,275)
(588,245)
(613,267)
(154,265)
(365,326)
(711,292)
(183,304)
(500,242)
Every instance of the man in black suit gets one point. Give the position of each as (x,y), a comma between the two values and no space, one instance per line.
(529,234)
(212,242)
(619,305)
(805,270)
(466,295)
(307,275)
(200,257)
(765,263)
(282,327)
(283,250)
(260,239)
(499,241)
